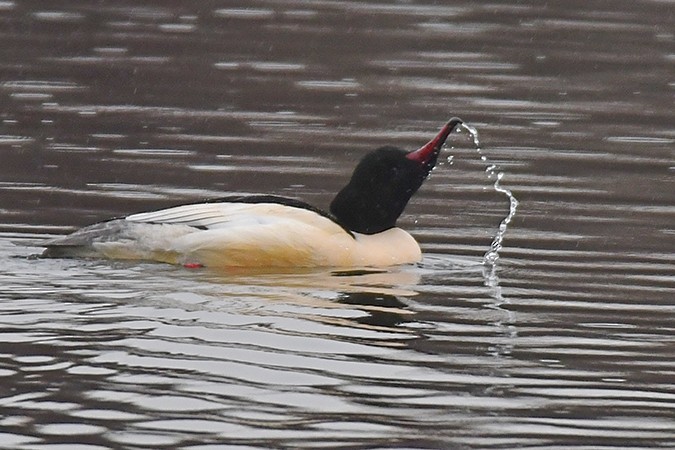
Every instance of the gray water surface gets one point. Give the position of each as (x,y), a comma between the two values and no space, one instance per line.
(110,108)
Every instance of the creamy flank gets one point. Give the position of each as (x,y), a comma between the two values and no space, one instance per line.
(254,235)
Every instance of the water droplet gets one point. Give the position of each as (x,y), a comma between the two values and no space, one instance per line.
(494,173)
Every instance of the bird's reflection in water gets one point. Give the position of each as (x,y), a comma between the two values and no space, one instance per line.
(384,310)
(356,299)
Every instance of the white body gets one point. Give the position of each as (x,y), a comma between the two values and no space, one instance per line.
(251,235)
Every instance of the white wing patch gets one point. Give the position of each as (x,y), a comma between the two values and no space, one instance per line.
(222,215)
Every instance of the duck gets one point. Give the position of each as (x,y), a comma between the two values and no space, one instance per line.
(269,231)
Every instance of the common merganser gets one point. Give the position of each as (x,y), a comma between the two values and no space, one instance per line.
(259,231)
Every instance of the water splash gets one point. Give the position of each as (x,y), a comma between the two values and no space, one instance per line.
(494,173)
(507,324)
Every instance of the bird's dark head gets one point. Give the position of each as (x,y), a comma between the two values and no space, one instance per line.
(383,182)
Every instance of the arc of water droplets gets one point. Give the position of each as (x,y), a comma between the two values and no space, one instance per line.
(491,256)
(493,172)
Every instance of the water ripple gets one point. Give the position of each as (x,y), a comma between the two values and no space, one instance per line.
(110,109)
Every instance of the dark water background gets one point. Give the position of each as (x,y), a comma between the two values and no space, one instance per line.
(109,108)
